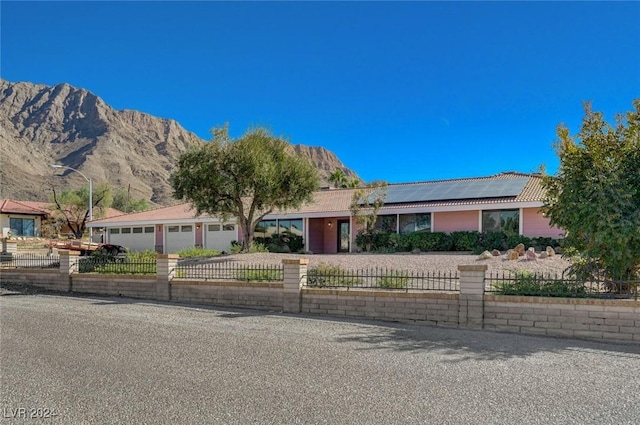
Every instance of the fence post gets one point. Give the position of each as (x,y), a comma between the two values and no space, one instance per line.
(68,266)
(165,272)
(471,300)
(295,277)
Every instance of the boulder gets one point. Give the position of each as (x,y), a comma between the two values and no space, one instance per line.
(550,251)
(495,253)
(512,254)
(485,256)
(519,249)
(544,254)
(531,255)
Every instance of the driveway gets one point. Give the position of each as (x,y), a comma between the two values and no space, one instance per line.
(100,360)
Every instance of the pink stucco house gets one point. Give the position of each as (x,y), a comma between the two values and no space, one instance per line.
(327,225)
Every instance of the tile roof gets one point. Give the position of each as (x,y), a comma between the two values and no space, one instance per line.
(339,200)
(39,208)
(8,206)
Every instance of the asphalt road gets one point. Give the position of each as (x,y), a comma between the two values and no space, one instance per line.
(92,360)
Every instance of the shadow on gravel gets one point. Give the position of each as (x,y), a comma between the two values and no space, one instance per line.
(458,345)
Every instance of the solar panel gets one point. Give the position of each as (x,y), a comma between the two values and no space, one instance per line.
(453,190)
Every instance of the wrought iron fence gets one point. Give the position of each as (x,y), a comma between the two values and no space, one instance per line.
(230,270)
(116,265)
(561,285)
(328,276)
(29,261)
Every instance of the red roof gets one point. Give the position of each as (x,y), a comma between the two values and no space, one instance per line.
(9,206)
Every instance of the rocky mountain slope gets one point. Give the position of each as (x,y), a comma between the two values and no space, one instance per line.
(42,125)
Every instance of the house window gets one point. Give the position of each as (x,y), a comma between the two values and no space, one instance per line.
(266,228)
(148,229)
(126,230)
(114,231)
(387,223)
(173,229)
(214,227)
(187,229)
(137,230)
(22,226)
(507,221)
(228,227)
(410,223)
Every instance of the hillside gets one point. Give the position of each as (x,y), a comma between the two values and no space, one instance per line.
(61,124)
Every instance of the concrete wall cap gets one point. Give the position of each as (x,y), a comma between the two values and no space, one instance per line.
(473,268)
(168,256)
(300,261)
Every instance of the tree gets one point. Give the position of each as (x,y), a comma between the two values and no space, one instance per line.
(365,205)
(71,207)
(338,178)
(595,195)
(122,201)
(247,178)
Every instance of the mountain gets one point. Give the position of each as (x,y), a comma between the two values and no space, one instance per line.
(43,125)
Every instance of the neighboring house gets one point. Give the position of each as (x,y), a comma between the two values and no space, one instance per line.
(26,218)
(21,218)
(505,201)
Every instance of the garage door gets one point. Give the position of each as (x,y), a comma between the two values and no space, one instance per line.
(133,238)
(178,237)
(220,236)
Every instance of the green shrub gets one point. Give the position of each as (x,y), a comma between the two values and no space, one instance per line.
(491,240)
(465,240)
(281,243)
(394,279)
(331,275)
(258,275)
(530,284)
(197,252)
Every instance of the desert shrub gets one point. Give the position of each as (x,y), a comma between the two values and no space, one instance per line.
(197,252)
(258,274)
(531,284)
(331,275)
(281,243)
(394,279)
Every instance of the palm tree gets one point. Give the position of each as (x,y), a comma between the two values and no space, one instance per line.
(338,178)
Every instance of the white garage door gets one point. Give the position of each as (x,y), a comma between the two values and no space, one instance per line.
(178,237)
(134,238)
(220,236)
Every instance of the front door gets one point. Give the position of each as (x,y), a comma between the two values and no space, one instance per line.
(343,235)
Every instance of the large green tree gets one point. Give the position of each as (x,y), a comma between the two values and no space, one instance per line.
(246,178)
(595,195)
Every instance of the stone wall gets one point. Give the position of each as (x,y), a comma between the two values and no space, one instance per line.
(256,295)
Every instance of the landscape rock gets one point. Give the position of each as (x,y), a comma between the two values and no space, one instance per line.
(512,254)
(544,254)
(519,249)
(495,253)
(485,255)
(550,251)
(531,255)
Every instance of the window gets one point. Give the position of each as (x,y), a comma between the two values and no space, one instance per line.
(410,223)
(137,230)
(214,227)
(507,221)
(187,229)
(228,227)
(386,223)
(22,226)
(148,229)
(266,228)
(114,231)
(126,230)
(173,229)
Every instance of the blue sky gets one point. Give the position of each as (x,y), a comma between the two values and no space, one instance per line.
(399,92)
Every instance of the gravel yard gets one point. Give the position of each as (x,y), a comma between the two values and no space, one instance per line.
(408,262)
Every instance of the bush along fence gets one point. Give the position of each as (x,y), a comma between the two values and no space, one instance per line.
(471,298)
